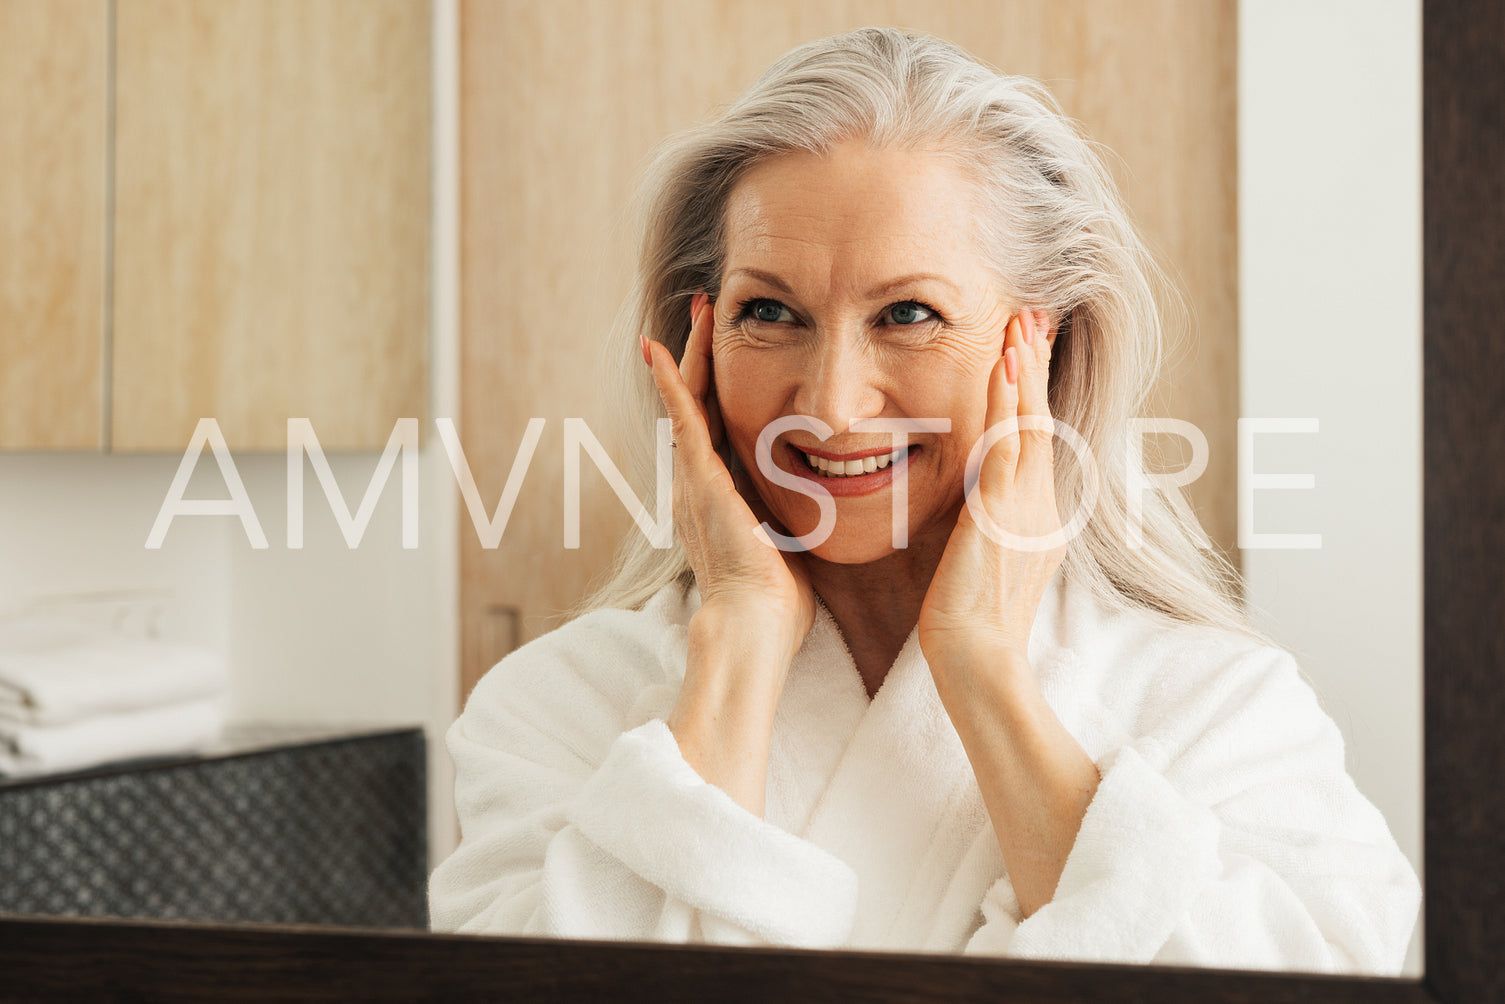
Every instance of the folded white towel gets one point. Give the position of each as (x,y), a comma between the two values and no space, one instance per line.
(54,672)
(185,727)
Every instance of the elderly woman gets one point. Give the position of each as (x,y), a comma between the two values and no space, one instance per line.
(880,694)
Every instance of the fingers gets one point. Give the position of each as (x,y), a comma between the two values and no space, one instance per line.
(1029,334)
(1018,388)
(1002,459)
(691,435)
(696,366)
(687,389)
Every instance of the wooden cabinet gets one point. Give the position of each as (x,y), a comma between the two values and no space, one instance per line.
(267,232)
(53,101)
(271,219)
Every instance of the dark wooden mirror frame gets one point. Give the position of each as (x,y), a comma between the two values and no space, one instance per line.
(1464,654)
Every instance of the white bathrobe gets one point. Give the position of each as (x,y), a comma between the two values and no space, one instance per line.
(1225,830)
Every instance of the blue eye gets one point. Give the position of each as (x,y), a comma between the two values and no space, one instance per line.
(909,312)
(764,311)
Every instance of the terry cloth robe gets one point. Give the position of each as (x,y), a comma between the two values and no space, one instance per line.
(1225,831)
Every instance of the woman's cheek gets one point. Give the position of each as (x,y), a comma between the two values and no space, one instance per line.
(733,402)
(967,411)
(742,398)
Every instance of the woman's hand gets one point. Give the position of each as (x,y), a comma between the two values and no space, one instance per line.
(1035,778)
(985,594)
(716,514)
(757,603)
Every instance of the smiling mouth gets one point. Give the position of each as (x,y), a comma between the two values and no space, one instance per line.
(857,467)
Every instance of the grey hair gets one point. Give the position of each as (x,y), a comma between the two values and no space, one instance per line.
(1054,229)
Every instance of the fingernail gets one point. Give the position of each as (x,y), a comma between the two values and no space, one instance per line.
(1028,329)
(1011,364)
(643,344)
(697,304)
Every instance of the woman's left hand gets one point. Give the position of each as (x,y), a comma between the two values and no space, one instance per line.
(983,598)
(1035,778)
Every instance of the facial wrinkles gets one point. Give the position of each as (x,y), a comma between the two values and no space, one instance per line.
(832,256)
(967,323)
(832,241)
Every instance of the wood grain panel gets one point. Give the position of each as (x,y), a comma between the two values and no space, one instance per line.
(272,220)
(561,101)
(53,62)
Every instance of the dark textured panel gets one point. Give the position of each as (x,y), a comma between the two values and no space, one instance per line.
(1463,148)
(323,833)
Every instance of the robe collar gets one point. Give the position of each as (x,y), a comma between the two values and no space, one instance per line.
(903,777)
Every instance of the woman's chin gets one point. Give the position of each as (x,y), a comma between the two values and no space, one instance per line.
(852,555)
(855,546)
(858,538)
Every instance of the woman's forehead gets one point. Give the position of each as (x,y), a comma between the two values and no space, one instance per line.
(866,216)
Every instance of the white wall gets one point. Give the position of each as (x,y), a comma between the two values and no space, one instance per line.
(1330,328)
(77,523)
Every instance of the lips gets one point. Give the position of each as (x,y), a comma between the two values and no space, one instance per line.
(821,468)
(853,466)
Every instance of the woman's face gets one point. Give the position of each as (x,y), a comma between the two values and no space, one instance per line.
(854,289)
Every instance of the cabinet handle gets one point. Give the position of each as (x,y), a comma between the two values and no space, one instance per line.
(502,632)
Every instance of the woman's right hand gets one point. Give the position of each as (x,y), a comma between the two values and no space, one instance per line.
(717,514)
(757,603)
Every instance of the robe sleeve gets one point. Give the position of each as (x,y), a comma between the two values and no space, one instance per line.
(1228,835)
(574,824)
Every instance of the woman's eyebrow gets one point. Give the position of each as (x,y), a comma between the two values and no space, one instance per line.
(763,276)
(876,292)
(907,280)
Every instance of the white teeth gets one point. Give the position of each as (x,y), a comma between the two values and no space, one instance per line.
(849,468)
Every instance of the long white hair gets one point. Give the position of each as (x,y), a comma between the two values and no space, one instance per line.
(1055,230)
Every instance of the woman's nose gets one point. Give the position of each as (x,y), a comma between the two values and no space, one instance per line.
(842,383)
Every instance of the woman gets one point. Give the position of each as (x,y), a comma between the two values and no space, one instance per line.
(878,694)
